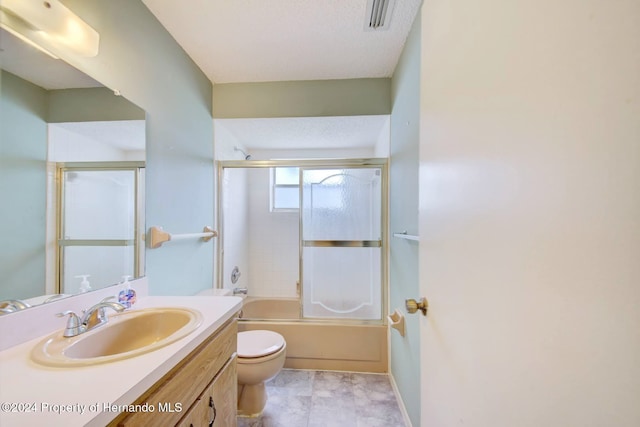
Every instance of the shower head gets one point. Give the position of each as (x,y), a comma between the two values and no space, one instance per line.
(246,156)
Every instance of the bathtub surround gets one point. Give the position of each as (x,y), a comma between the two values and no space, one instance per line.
(274,256)
(334,346)
(274,244)
(258,308)
(313,345)
(325,398)
(236,235)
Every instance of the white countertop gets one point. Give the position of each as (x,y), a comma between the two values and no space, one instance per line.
(32,394)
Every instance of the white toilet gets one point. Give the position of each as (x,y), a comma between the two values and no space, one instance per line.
(261,356)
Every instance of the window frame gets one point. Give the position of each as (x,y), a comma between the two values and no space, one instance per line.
(272,190)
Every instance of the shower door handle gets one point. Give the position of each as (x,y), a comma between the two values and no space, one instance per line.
(413,305)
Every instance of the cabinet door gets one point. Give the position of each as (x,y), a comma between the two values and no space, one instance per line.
(217,406)
(189,382)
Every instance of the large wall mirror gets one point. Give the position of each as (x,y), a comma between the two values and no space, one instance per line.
(72,159)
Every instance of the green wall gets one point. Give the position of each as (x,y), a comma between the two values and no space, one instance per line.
(25,110)
(23,154)
(318,98)
(140,59)
(403,215)
(89,105)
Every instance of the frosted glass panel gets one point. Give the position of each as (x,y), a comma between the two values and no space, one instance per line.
(99,204)
(105,264)
(286,198)
(342,283)
(341,204)
(341,216)
(286,176)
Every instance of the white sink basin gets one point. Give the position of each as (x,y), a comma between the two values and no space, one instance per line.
(127,334)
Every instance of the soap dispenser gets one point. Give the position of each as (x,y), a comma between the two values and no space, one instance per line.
(127,295)
(84,285)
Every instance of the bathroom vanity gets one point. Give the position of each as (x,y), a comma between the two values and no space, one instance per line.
(200,391)
(186,383)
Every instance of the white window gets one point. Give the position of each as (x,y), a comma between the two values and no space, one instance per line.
(285,189)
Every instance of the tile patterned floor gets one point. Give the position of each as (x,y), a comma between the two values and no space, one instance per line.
(328,399)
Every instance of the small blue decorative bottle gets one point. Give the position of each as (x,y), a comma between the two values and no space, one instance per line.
(127,295)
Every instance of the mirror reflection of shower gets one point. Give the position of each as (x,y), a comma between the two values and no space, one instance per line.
(246,156)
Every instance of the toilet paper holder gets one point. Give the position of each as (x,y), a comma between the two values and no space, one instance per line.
(396,321)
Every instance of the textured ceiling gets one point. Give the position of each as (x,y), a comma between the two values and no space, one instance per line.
(306,132)
(280,40)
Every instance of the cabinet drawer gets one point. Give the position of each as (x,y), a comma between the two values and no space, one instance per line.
(186,381)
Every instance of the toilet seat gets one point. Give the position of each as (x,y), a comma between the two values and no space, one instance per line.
(253,344)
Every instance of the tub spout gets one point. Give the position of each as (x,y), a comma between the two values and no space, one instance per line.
(240,291)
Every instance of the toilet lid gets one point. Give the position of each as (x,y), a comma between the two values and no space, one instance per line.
(258,343)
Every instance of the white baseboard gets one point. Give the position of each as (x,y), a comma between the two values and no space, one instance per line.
(403,409)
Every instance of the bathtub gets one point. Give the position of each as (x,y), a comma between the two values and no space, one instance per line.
(257,308)
(325,345)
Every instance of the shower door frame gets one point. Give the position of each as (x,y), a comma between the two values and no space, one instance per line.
(381,163)
(137,242)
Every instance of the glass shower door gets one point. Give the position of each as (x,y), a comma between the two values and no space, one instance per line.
(341,242)
(100,214)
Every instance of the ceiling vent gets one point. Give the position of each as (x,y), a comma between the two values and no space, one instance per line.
(378,15)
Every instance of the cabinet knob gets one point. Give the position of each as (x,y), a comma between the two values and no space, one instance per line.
(413,305)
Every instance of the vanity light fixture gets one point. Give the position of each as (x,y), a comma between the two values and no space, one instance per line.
(10,23)
(50,25)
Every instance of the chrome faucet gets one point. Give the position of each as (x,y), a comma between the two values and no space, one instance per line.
(240,291)
(96,315)
(12,305)
(91,318)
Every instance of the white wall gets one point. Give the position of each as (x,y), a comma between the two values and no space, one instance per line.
(382,147)
(273,243)
(529,213)
(235,231)
(67,146)
(225,142)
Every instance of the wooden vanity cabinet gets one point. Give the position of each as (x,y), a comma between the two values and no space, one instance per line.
(217,406)
(204,384)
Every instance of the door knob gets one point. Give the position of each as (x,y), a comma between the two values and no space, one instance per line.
(413,305)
